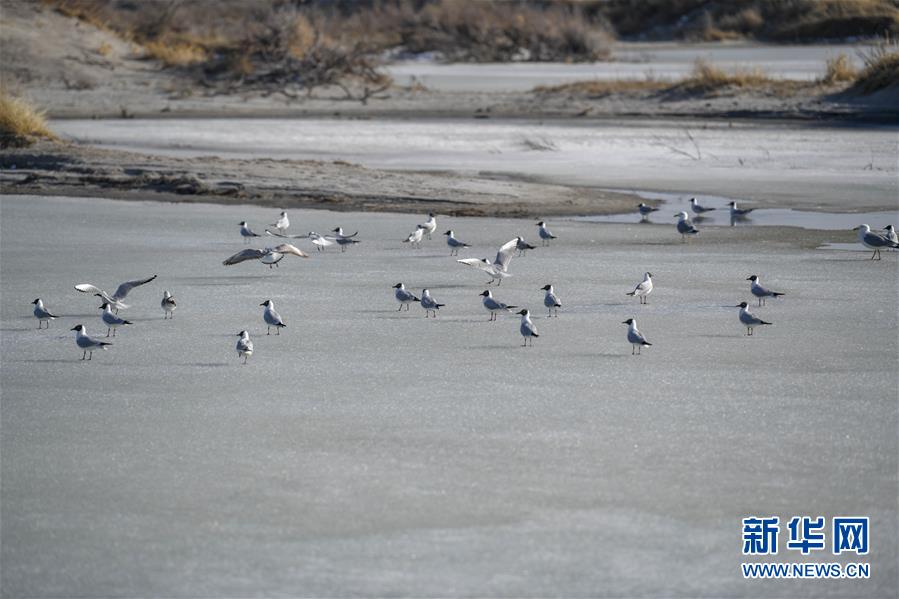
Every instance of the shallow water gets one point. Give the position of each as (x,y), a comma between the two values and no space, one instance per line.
(720,216)
(835,169)
(371,452)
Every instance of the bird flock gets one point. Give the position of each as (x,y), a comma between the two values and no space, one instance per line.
(497,269)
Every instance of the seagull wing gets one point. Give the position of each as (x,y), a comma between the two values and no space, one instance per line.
(88,288)
(127,286)
(477,263)
(245,255)
(286,248)
(505,253)
(273,234)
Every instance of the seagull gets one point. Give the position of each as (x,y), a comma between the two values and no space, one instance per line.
(270,256)
(244,346)
(645,210)
(42,314)
(345,242)
(116,298)
(873,241)
(527,328)
(697,209)
(112,321)
(545,235)
(430,225)
(499,268)
(643,289)
(522,246)
(85,343)
(271,318)
(890,233)
(429,304)
(454,244)
(759,291)
(551,300)
(684,226)
(738,213)
(404,297)
(339,234)
(415,237)
(494,306)
(168,305)
(319,241)
(748,319)
(282,224)
(635,337)
(245,232)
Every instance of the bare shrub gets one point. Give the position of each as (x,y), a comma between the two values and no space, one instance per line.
(20,122)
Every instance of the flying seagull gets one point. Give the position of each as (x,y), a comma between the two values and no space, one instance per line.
(499,268)
(116,299)
(269,256)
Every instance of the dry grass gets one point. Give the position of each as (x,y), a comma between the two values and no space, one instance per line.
(105,49)
(706,77)
(598,87)
(175,53)
(839,70)
(20,122)
(879,73)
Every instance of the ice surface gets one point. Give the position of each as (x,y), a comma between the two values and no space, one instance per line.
(843,168)
(366,451)
(632,61)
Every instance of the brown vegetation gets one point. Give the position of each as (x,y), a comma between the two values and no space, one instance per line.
(881,68)
(20,122)
(839,70)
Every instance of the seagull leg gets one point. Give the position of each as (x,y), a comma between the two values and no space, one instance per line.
(84,354)
(107,331)
(278,330)
(90,356)
(113,331)
(268,330)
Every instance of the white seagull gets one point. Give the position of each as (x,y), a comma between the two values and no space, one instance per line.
(643,289)
(684,226)
(747,318)
(551,300)
(890,233)
(244,346)
(738,213)
(635,337)
(111,320)
(527,328)
(873,241)
(645,210)
(115,300)
(430,225)
(499,268)
(269,256)
(697,209)
(404,297)
(415,237)
(87,344)
(429,304)
(42,314)
(282,223)
(523,246)
(454,244)
(494,306)
(545,235)
(760,292)
(339,234)
(168,305)
(271,318)
(245,232)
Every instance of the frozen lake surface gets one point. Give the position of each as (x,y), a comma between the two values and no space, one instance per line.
(836,169)
(371,452)
(632,61)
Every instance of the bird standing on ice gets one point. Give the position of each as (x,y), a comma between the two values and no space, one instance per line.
(168,305)
(282,223)
(749,320)
(244,346)
(551,300)
(527,329)
(493,306)
(404,297)
(246,233)
(429,303)
(271,318)
(635,337)
(684,226)
(643,289)
(42,314)
(759,291)
(545,235)
(430,225)
(454,244)
(87,344)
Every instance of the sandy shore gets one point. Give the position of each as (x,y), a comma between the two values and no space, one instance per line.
(370,452)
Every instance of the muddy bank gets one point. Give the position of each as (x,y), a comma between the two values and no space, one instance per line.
(67,169)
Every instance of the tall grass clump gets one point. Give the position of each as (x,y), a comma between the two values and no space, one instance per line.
(839,70)
(20,122)
(707,77)
(881,67)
